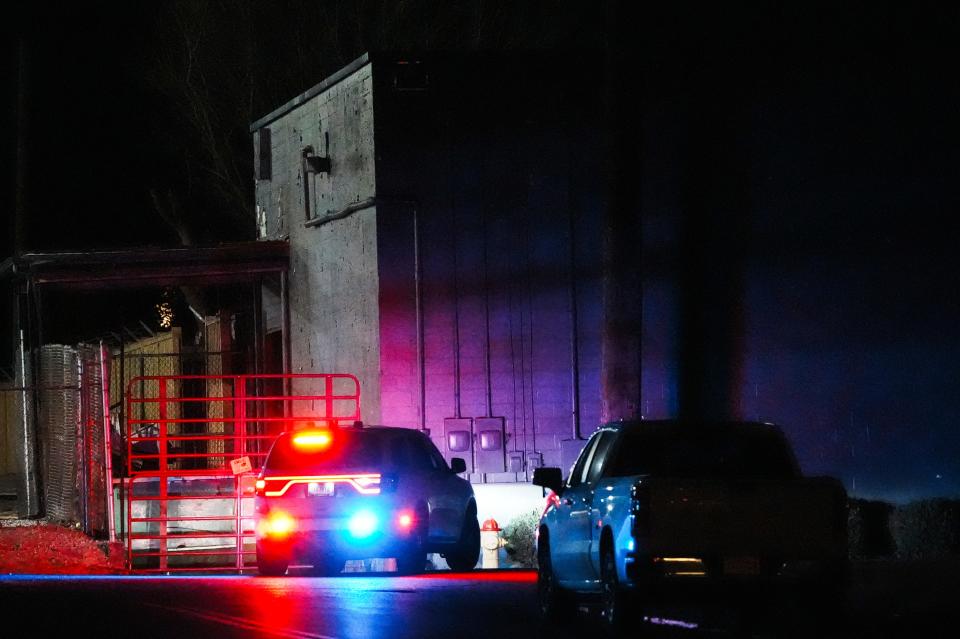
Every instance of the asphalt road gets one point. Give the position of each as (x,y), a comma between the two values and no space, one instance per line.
(442,605)
(347,607)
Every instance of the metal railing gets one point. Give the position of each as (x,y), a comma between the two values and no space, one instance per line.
(194,443)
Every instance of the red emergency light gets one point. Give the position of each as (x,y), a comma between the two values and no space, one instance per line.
(313,440)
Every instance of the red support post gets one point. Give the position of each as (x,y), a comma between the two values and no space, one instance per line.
(162,470)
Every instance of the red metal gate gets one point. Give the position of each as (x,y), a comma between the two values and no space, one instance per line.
(194,445)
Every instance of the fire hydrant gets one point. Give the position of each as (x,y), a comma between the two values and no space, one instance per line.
(491,543)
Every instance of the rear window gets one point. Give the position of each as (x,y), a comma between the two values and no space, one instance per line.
(728,454)
(383,450)
(354,450)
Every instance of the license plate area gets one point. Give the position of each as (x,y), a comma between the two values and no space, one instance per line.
(741,566)
(320,489)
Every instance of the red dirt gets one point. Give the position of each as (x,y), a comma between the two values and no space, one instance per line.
(47,549)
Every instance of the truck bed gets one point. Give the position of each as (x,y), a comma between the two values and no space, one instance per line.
(787,519)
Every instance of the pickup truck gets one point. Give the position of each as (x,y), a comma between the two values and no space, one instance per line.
(653,505)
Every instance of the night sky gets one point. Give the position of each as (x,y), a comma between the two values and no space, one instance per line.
(852,161)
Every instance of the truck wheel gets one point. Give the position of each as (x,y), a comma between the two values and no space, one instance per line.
(554,603)
(467,552)
(271,564)
(827,598)
(612,604)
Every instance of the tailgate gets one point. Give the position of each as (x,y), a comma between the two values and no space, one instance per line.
(802,519)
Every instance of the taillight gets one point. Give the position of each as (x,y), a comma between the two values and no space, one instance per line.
(259,487)
(278,486)
(405,520)
(367,483)
(278,524)
(640,509)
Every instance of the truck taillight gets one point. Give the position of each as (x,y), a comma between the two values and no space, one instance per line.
(640,509)
(259,487)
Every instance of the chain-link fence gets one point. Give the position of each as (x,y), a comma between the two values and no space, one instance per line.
(63,430)
(52,435)
(12,472)
(18,458)
(72,437)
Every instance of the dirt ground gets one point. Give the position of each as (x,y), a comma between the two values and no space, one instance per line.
(44,549)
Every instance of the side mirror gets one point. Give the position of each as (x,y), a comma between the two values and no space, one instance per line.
(551,478)
(457,465)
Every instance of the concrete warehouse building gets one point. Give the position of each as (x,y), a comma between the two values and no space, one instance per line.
(444,247)
(445,223)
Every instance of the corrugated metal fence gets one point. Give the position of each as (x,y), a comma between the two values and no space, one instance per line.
(71,435)
(95,487)
(59,423)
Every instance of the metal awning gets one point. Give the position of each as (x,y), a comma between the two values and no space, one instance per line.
(143,267)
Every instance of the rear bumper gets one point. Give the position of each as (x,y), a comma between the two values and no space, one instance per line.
(324,529)
(308,545)
(772,576)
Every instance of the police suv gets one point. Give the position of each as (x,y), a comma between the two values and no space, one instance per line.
(326,495)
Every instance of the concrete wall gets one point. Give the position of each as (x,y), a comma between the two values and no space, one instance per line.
(501,192)
(507,190)
(333,305)
(845,330)
(334,282)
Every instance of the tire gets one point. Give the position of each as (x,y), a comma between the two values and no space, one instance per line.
(827,599)
(613,608)
(555,604)
(271,564)
(465,555)
(412,559)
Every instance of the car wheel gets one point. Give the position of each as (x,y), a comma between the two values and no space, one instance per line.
(467,552)
(412,559)
(271,564)
(554,602)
